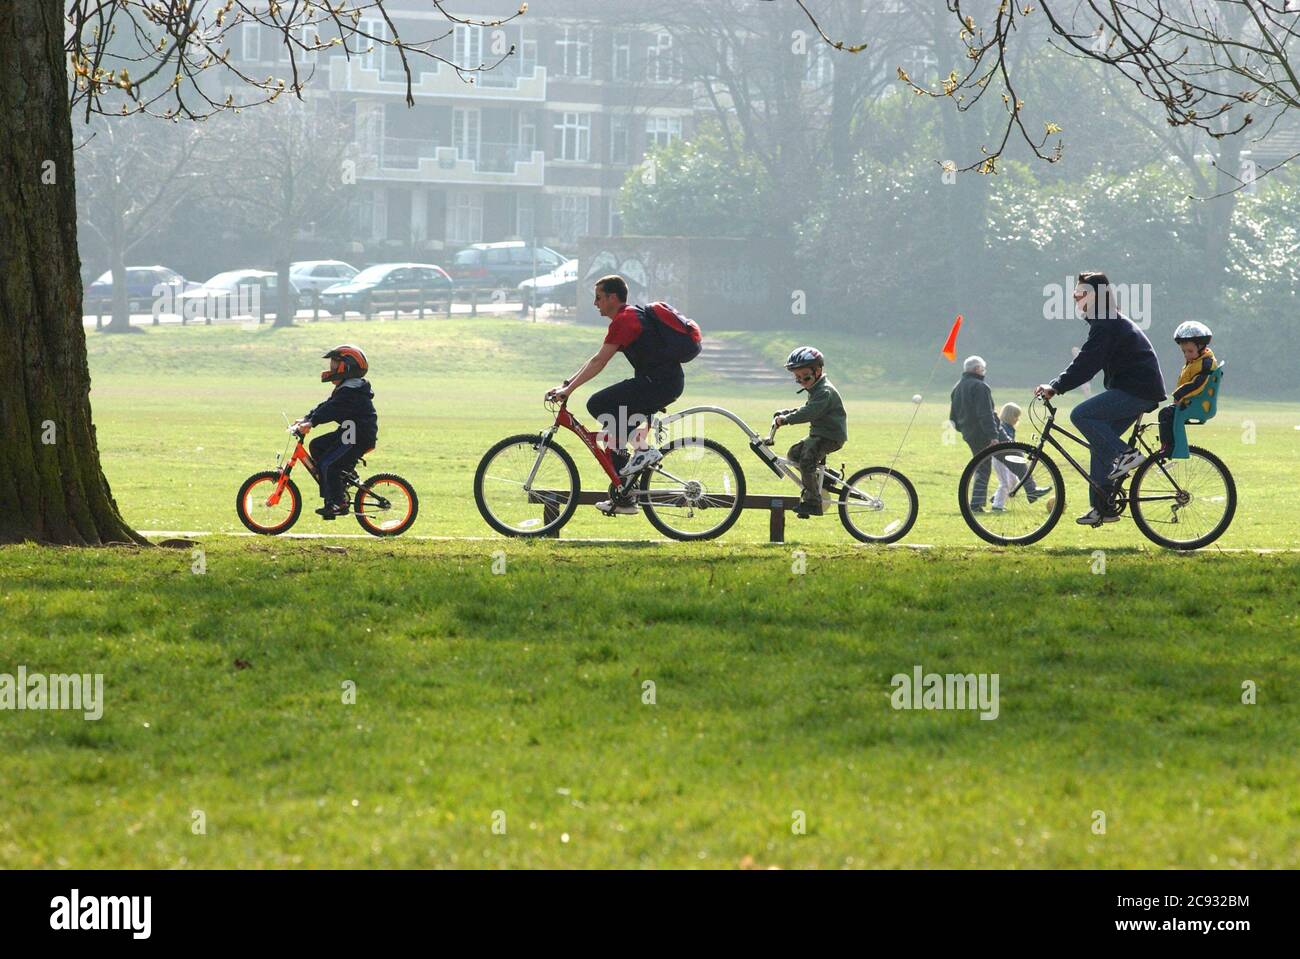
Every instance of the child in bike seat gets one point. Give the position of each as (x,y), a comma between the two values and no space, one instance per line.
(1194,340)
(823,411)
(351,405)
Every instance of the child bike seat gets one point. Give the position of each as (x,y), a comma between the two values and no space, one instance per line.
(1199,410)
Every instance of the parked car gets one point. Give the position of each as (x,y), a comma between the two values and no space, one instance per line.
(141,283)
(235,293)
(501,266)
(388,286)
(316,276)
(558,286)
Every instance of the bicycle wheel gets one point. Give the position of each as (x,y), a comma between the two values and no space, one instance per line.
(1027,510)
(878,505)
(1183,504)
(386,505)
(696,492)
(511,502)
(257,514)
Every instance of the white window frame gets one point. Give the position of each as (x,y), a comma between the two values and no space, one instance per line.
(467,133)
(468,204)
(620,133)
(661,130)
(468,49)
(252,38)
(579,125)
(575,45)
(580,204)
(659,64)
(621,49)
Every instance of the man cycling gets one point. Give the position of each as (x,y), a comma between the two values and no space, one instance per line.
(627,406)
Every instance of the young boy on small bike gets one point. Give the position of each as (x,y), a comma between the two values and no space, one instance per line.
(828,425)
(351,405)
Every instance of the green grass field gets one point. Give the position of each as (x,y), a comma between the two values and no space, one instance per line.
(503,681)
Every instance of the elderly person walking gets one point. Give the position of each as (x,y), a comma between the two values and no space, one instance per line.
(971,411)
(1117,348)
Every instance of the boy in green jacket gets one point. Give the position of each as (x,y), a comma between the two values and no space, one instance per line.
(828,426)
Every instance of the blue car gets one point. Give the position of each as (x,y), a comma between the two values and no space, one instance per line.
(144,285)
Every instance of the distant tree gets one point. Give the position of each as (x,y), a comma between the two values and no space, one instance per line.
(698,188)
(131,182)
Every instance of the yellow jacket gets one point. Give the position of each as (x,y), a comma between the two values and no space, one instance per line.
(1192,379)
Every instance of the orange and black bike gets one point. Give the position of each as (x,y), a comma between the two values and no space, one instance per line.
(269,502)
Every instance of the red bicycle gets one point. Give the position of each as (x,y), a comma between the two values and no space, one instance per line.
(269,502)
(527,485)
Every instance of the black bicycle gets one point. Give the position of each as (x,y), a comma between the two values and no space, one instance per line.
(1177,503)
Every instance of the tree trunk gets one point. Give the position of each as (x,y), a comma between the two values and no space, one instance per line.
(52,489)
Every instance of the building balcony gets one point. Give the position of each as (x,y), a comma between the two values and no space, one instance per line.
(352,76)
(425,161)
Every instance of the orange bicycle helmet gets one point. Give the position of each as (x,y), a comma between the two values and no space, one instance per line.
(346,362)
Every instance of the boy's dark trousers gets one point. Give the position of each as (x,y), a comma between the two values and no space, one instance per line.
(808,454)
(333,458)
(1167,426)
(980,490)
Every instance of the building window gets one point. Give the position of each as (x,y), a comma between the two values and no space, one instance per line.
(527,52)
(615,220)
(573,137)
(469,45)
(569,216)
(252,42)
(524,223)
(618,139)
(575,52)
(465,133)
(661,131)
(660,66)
(465,218)
(621,62)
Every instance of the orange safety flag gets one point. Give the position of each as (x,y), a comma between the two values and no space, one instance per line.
(950,348)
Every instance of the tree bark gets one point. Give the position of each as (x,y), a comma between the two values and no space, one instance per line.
(52,489)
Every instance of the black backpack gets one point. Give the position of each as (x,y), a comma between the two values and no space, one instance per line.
(678,338)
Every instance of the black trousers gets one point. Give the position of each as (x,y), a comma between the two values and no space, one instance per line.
(619,410)
(1167,426)
(333,458)
(808,454)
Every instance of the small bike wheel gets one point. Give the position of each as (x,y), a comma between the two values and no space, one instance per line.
(255,510)
(1184,503)
(525,488)
(695,492)
(1027,509)
(878,505)
(386,505)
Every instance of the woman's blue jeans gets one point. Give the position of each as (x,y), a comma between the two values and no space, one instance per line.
(1102,419)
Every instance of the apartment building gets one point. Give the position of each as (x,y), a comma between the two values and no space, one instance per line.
(536,148)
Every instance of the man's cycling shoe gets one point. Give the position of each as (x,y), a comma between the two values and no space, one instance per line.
(641,459)
(611,508)
(332,511)
(1096,518)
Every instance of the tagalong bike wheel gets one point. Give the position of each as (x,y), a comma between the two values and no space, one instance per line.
(695,492)
(1011,494)
(525,486)
(1185,503)
(386,505)
(878,505)
(260,510)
